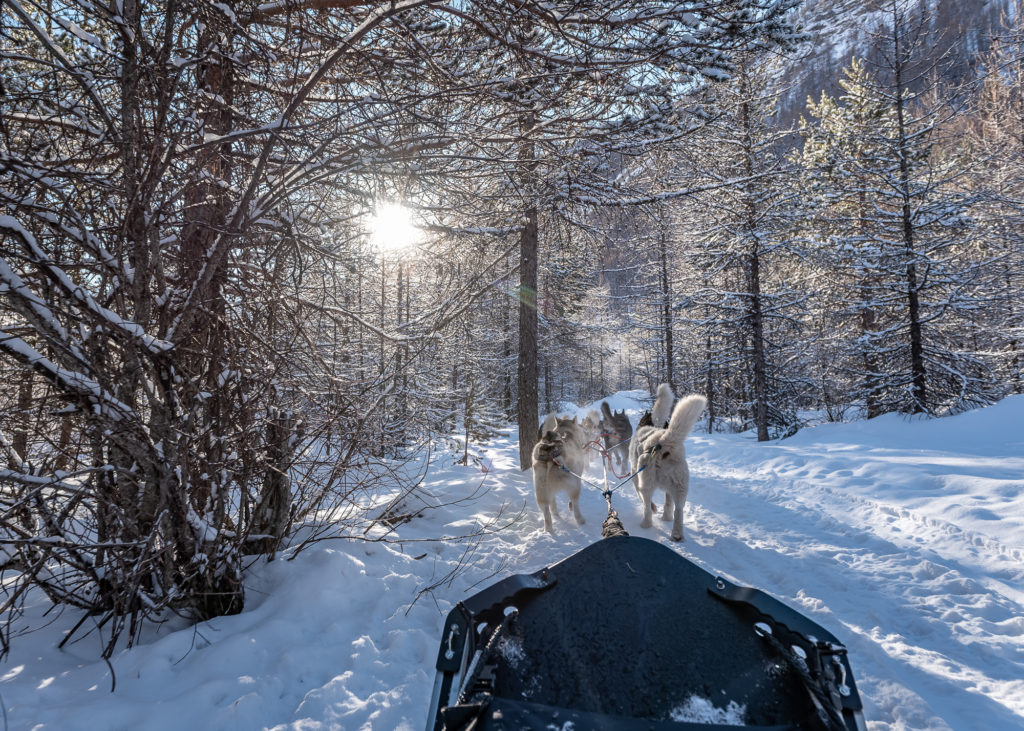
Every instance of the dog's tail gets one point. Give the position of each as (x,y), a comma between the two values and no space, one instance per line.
(549,424)
(662,409)
(684,416)
(606,411)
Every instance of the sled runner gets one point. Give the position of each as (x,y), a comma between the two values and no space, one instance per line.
(625,635)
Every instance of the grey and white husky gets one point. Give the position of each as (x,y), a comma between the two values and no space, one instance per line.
(617,431)
(561,444)
(657,448)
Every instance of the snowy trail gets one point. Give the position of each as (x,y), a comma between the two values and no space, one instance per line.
(903,538)
(890,581)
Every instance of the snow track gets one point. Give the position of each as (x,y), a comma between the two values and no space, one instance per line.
(903,538)
(928,608)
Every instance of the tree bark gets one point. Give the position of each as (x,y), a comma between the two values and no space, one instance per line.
(918,375)
(527,373)
(527,369)
(755,315)
(666,306)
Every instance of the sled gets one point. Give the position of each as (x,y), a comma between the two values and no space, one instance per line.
(625,635)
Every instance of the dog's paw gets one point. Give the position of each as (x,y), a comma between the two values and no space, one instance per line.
(666,516)
(678,537)
(645,523)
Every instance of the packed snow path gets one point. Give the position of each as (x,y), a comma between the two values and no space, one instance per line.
(905,538)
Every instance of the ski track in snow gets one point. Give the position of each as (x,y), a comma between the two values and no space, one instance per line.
(903,538)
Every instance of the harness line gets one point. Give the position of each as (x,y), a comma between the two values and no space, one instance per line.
(606,453)
(594,485)
(612,526)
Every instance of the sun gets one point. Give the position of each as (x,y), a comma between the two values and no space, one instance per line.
(391,227)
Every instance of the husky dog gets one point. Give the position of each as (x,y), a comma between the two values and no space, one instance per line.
(616,430)
(591,424)
(659,451)
(562,441)
(658,417)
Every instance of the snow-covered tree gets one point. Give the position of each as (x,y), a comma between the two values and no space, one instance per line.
(892,215)
(744,294)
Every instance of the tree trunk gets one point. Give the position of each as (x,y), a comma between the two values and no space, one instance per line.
(666,307)
(272,515)
(758,358)
(917,367)
(528,246)
(755,315)
(868,321)
(527,370)
(217,588)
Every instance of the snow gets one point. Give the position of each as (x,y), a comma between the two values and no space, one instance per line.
(903,537)
(702,710)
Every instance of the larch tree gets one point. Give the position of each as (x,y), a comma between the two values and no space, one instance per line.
(893,204)
(742,244)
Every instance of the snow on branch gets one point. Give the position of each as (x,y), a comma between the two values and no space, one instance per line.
(75,291)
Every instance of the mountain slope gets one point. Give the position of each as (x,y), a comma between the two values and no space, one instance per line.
(838,30)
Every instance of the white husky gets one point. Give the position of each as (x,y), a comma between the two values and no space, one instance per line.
(658,450)
(561,445)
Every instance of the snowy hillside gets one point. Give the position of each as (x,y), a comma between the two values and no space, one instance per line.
(838,30)
(904,538)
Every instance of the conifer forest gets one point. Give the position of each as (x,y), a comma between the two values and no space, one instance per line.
(253,255)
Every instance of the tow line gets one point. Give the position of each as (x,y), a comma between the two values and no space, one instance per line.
(611,526)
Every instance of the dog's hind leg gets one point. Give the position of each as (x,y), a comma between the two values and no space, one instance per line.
(645,498)
(677,523)
(545,508)
(543,494)
(667,513)
(574,504)
(677,518)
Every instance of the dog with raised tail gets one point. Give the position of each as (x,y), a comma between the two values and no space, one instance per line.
(657,451)
(658,417)
(561,445)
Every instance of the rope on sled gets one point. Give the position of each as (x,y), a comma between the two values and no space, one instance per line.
(612,526)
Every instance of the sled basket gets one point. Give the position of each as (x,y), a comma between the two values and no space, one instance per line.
(625,635)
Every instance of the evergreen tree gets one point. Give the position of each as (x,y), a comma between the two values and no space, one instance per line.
(749,299)
(891,213)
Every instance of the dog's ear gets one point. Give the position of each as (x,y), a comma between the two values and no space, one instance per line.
(645,420)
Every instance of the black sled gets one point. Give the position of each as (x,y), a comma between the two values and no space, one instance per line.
(622,636)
